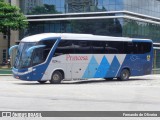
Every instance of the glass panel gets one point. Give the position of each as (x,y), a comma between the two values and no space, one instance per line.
(65,47)
(41,54)
(82,47)
(112,2)
(100,2)
(73,6)
(98,47)
(38,56)
(98,27)
(22,60)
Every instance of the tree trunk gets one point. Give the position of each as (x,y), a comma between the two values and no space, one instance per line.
(9,40)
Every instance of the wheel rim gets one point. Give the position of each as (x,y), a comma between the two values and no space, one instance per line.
(125,75)
(56,77)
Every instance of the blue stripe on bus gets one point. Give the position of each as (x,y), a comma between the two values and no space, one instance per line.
(91,68)
(103,68)
(114,67)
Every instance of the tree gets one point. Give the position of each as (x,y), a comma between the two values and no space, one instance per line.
(45,9)
(11,19)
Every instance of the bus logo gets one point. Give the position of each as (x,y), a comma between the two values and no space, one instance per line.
(76,58)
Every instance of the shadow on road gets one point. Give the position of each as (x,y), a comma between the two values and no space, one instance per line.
(84,81)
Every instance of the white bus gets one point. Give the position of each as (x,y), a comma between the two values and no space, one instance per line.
(58,56)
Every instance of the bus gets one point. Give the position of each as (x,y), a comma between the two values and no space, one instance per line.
(67,56)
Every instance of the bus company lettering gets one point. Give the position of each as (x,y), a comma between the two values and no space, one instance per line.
(76,58)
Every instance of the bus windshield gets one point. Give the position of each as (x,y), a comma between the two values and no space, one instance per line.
(36,56)
(22,60)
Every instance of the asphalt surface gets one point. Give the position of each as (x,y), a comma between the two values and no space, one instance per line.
(136,94)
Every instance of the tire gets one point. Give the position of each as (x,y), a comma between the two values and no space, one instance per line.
(56,77)
(42,82)
(124,74)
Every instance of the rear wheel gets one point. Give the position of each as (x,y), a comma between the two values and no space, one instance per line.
(56,77)
(124,74)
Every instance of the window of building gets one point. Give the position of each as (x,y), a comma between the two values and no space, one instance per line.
(4,55)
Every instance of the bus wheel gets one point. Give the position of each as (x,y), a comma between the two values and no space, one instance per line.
(124,74)
(42,82)
(56,77)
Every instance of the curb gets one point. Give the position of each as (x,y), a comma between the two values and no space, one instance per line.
(5,74)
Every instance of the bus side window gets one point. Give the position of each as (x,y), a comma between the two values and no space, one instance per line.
(141,47)
(65,47)
(82,47)
(146,47)
(48,45)
(111,47)
(128,48)
(98,47)
(137,47)
(59,51)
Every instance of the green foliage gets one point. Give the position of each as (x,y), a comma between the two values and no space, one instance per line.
(11,18)
(45,9)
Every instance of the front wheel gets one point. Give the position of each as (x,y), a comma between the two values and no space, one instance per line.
(124,74)
(56,77)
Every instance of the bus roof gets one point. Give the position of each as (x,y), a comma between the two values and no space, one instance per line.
(73,36)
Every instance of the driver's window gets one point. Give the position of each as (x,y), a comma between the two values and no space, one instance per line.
(38,56)
(41,54)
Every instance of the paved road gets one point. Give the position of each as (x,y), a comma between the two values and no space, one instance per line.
(139,93)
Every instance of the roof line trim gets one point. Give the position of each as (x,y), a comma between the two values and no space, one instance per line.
(92,13)
(97,17)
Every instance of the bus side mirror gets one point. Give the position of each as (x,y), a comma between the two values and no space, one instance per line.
(11,49)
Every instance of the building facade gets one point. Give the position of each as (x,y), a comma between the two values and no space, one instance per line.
(3,48)
(126,18)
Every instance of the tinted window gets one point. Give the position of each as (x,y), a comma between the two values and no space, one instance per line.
(109,47)
(137,47)
(98,47)
(40,54)
(114,47)
(101,47)
(144,47)
(48,45)
(82,47)
(128,48)
(65,47)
